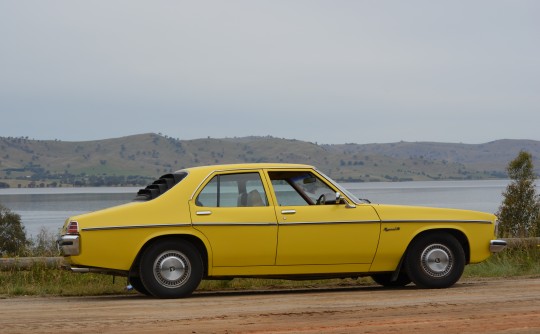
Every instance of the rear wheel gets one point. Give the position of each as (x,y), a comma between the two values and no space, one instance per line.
(386,279)
(435,261)
(136,283)
(171,268)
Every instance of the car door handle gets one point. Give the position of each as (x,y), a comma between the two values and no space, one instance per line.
(288,212)
(204,213)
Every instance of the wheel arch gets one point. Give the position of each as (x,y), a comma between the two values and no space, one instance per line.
(458,234)
(194,240)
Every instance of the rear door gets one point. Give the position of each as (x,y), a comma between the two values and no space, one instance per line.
(232,211)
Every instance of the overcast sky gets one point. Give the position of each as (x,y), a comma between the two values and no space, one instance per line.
(321,71)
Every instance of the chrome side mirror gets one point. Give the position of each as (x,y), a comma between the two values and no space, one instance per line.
(341,200)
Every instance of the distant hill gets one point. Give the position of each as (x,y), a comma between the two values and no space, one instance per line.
(136,160)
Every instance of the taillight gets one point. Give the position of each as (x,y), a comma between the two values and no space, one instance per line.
(72,228)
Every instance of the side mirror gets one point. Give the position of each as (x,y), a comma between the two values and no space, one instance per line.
(341,200)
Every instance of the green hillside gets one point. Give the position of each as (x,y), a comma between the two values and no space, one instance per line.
(136,160)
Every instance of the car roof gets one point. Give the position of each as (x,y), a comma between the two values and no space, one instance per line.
(246,166)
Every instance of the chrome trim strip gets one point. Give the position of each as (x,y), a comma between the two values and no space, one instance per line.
(134,226)
(331,223)
(438,221)
(191,198)
(84,270)
(256,169)
(234,224)
(284,224)
(389,221)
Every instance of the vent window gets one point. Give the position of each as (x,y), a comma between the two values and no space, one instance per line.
(160,186)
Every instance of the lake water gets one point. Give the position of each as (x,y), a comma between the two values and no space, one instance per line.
(48,208)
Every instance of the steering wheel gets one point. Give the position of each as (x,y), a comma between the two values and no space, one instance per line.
(321,200)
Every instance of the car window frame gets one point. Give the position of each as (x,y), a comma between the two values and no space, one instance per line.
(210,177)
(315,173)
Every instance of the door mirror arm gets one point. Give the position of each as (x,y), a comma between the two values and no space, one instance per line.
(341,200)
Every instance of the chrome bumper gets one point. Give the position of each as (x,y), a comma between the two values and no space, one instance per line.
(496,246)
(69,244)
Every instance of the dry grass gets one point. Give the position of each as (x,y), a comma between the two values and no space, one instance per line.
(42,281)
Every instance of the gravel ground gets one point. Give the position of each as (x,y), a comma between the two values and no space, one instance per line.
(471,306)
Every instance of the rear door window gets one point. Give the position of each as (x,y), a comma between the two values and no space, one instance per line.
(233,190)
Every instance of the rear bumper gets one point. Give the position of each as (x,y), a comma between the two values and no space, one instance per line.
(69,244)
(496,246)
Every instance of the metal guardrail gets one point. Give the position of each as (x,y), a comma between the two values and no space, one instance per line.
(26,263)
(520,242)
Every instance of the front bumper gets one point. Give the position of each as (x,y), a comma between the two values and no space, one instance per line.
(69,244)
(496,246)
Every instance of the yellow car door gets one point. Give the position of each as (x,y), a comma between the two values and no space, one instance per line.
(232,211)
(317,229)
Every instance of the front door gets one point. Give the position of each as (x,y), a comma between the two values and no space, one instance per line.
(316,230)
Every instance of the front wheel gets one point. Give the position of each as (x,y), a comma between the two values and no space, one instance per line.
(171,269)
(435,261)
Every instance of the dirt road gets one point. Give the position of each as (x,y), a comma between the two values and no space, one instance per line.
(474,306)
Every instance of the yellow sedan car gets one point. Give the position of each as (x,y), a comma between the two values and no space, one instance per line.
(271,220)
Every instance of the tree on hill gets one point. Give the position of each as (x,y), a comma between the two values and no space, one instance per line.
(519,213)
(12,234)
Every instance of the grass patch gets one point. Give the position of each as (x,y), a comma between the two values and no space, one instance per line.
(523,260)
(42,281)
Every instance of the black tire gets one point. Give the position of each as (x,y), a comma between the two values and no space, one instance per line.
(136,283)
(171,268)
(386,280)
(435,261)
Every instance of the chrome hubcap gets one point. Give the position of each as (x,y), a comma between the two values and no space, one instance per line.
(437,260)
(172,269)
